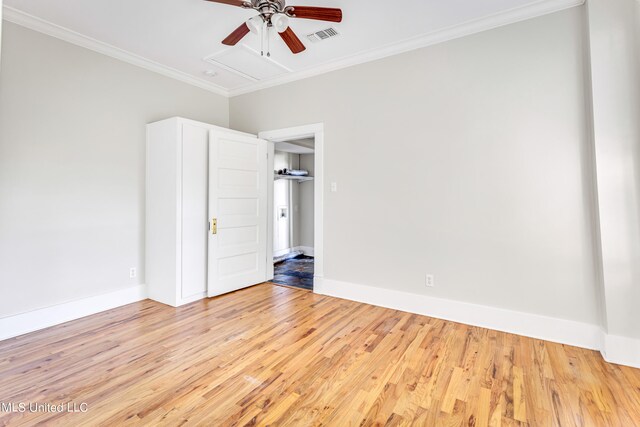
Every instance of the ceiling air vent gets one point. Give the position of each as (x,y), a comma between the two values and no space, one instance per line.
(322,35)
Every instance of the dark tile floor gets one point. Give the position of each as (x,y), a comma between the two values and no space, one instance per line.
(297,272)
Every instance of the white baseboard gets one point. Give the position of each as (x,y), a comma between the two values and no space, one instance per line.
(304,249)
(282,252)
(307,250)
(23,323)
(621,350)
(614,349)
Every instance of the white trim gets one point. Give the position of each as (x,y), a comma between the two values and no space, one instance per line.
(621,350)
(315,131)
(510,16)
(191,298)
(30,321)
(306,250)
(37,24)
(515,322)
(614,349)
(279,253)
(270,196)
(1,9)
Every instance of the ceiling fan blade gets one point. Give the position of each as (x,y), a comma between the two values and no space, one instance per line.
(237,35)
(319,13)
(292,40)
(239,3)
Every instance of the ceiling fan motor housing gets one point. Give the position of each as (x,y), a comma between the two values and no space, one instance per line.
(275,14)
(268,8)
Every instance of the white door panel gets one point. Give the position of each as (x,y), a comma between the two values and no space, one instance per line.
(238,201)
(194,210)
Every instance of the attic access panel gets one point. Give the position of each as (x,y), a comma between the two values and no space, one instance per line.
(247,63)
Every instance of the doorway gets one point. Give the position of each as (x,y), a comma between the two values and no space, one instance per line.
(294,256)
(293,247)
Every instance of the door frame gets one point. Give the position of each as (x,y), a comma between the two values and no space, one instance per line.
(315,131)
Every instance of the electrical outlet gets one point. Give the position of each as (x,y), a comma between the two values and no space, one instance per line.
(132,273)
(430,282)
(334,187)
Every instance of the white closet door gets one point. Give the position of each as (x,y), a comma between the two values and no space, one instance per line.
(238,203)
(194,211)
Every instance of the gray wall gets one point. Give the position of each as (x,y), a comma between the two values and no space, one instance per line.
(72,164)
(305,211)
(282,189)
(469,160)
(298,197)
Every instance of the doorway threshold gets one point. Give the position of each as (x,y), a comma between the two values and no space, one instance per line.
(285,257)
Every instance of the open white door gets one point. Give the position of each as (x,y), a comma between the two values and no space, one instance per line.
(237,212)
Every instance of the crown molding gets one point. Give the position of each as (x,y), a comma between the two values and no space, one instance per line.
(40,25)
(510,16)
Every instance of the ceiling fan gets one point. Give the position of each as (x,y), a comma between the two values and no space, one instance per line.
(275,14)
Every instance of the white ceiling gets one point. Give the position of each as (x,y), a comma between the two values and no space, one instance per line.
(181,34)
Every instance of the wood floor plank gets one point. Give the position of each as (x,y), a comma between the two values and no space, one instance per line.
(272,355)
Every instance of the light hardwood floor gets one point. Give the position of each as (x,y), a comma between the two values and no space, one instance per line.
(282,356)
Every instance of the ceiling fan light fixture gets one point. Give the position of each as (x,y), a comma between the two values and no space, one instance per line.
(280,22)
(276,14)
(255,24)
